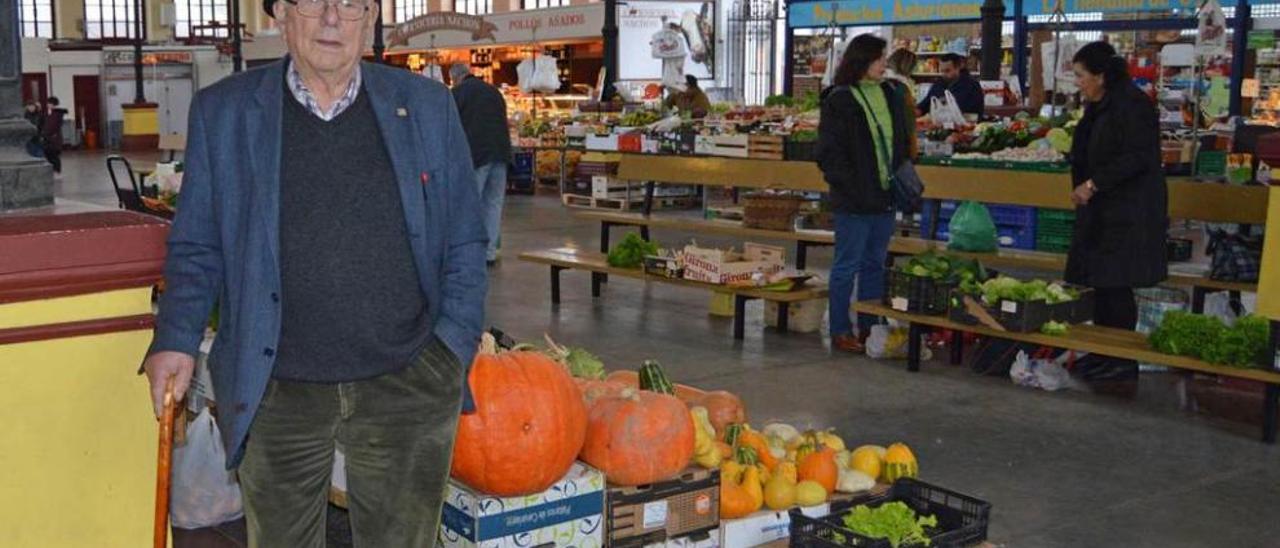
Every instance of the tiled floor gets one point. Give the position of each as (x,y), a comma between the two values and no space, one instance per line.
(1062,469)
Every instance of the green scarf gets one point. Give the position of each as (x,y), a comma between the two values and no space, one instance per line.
(871,97)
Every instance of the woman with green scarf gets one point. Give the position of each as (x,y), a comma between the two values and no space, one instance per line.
(862,139)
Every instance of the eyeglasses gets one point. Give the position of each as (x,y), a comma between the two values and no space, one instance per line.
(350,10)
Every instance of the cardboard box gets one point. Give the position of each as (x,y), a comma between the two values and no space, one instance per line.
(802,317)
(631,142)
(602,142)
(710,539)
(687,506)
(704,144)
(764,527)
(570,513)
(604,186)
(719,266)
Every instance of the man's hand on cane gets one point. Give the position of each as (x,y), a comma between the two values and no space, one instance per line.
(165,365)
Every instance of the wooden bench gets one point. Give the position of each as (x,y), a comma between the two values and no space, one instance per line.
(1004,258)
(1105,341)
(562,259)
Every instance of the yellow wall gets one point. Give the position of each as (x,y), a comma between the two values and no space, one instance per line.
(1269,282)
(78,446)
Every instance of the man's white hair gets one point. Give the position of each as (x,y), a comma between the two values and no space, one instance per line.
(458,71)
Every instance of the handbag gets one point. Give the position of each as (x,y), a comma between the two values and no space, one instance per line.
(1236,258)
(905,186)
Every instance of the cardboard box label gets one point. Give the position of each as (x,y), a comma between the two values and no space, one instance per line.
(655,514)
(1009,307)
(521,520)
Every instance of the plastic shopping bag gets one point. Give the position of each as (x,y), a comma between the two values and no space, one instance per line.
(890,342)
(1040,373)
(972,229)
(945,110)
(204,493)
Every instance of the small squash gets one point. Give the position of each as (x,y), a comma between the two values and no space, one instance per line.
(740,490)
(780,493)
(725,408)
(899,462)
(654,379)
(820,466)
(810,493)
(866,459)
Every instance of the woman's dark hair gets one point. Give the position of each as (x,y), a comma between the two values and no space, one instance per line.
(1100,58)
(691,80)
(862,51)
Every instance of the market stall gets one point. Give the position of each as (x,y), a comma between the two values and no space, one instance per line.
(75,316)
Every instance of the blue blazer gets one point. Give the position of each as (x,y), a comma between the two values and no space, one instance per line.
(224,244)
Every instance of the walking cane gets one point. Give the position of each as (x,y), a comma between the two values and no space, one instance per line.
(164,462)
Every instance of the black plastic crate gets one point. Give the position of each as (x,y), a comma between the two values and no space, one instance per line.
(1018,317)
(1178,249)
(962,519)
(916,294)
(800,151)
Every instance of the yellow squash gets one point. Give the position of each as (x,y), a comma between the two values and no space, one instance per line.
(899,462)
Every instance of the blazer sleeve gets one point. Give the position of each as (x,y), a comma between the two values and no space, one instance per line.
(1139,146)
(464,277)
(193,269)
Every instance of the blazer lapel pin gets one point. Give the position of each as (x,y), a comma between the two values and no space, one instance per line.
(402,112)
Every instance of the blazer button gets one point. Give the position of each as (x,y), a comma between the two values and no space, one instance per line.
(268,352)
(275,297)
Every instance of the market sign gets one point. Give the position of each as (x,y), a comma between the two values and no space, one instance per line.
(874,12)
(125,57)
(450,30)
(433,22)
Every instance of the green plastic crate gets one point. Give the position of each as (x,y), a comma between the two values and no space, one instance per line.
(1211,163)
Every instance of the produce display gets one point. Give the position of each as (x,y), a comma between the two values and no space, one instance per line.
(1005,288)
(941,266)
(1242,344)
(631,251)
(892,521)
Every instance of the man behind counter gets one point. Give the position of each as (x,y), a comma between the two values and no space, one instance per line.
(957,80)
(693,100)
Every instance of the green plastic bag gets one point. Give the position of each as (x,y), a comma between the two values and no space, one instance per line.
(972,229)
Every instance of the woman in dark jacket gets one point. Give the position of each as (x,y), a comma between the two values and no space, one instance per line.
(862,139)
(51,134)
(1119,190)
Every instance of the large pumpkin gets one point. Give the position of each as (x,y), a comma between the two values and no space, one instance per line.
(639,437)
(528,428)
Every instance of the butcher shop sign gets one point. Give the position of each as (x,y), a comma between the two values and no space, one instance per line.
(447,29)
(433,22)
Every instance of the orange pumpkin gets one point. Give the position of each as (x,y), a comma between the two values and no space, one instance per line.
(820,466)
(723,408)
(529,424)
(593,390)
(639,437)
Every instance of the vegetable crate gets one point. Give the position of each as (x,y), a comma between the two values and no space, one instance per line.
(800,151)
(569,513)
(907,292)
(686,506)
(1053,230)
(665,266)
(766,147)
(962,519)
(1015,316)
(771,211)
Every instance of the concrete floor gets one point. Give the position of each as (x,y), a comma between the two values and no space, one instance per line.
(1063,469)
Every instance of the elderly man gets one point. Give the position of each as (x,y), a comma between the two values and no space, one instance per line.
(484,117)
(329,209)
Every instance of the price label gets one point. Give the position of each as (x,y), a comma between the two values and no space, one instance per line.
(1010,307)
(899,304)
(655,514)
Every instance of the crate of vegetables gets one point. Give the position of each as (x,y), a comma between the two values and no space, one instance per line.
(1018,306)
(925,283)
(911,513)
(802,146)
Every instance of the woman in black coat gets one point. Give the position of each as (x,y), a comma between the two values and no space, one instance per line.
(1121,200)
(862,139)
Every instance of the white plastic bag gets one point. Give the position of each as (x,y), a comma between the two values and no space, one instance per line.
(538,75)
(1043,374)
(1211,30)
(945,110)
(204,493)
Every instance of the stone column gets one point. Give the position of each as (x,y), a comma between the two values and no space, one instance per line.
(25,181)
